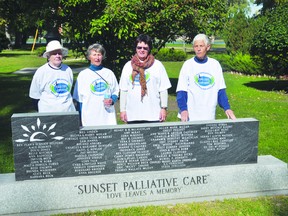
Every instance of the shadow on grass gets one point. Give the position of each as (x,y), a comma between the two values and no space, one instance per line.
(280,204)
(269,85)
(14,91)
(172,90)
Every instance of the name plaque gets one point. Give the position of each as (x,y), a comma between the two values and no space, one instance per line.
(53,146)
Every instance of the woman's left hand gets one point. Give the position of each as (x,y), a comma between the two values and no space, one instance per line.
(163,115)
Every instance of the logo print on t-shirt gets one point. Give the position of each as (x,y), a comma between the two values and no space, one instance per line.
(60,87)
(204,80)
(99,87)
(137,78)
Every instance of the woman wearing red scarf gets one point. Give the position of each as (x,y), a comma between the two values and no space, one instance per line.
(144,85)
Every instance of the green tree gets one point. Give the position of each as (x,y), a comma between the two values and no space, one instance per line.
(76,17)
(17,16)
(23,17)
(271,43)
(269,4)
(116,23)
(238,34)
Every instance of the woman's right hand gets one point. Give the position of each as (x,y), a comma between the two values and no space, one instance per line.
(123,116)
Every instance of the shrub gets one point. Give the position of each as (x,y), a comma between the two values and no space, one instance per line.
(242,63)
(171,54)
(40,51)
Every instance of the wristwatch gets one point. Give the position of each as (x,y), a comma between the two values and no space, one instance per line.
(164,108)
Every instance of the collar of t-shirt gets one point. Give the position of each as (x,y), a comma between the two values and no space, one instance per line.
(54,67)
(201,61)
(95,68)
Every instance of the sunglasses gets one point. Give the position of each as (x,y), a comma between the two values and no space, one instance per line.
(55,53)
(145,48)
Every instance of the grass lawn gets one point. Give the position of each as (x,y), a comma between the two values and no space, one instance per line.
(262,98)
(252,96)
(263,206)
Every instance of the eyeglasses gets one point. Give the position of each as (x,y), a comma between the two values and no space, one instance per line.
(145,48)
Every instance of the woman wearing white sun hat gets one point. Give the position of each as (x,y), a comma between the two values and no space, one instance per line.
(52,82)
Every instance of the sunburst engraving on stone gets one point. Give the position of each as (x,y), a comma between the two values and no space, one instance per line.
(38,133)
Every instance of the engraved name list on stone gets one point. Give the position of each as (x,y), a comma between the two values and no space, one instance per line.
(41,160)
(71,151)
(88,152)
(173,145)
(216,137)
(132,154)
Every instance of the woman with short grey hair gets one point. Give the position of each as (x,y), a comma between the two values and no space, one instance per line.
(98,48)
(201,85)
(96,90)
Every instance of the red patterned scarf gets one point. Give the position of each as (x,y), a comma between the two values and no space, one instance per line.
(139,68)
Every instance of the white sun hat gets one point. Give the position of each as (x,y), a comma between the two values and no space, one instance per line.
(55,45)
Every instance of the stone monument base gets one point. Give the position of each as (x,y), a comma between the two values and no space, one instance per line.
(78,194)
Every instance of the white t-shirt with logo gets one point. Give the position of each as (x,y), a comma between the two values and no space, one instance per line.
(52,87)
(89,90)
(157,80)
(202,83)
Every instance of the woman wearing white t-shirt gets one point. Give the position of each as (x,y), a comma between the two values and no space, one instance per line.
(201,85)
(96,90)
(52,82)
(144,86)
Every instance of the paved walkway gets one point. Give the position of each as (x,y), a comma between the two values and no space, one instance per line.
(33,69)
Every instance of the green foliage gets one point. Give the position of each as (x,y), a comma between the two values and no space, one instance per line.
(171,54)
(23,17)
(269,4)
(40,50)
(117,23)
(238,34)
(242,63)
(263,36)
(271,43)
(113,23)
